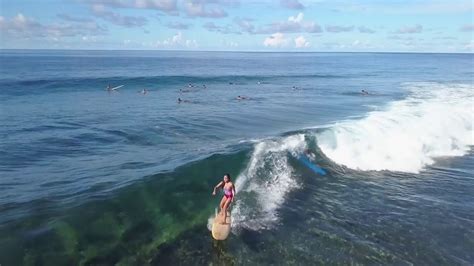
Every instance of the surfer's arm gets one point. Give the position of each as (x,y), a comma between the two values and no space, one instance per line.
(216,187)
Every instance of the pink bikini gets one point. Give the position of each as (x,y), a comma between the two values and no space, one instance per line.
(228,193)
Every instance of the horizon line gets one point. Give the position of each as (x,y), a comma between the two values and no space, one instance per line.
(232,51)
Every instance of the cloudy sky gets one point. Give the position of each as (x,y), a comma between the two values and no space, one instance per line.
(239,25)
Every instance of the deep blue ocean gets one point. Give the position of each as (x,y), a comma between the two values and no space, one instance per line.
(93,176)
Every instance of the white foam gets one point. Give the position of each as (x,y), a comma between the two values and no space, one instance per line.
(435,120)
(262,186)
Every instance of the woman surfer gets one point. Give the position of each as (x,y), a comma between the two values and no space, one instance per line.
(229,192)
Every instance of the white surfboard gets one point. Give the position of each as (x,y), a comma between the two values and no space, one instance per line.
(221,231)
(115,88)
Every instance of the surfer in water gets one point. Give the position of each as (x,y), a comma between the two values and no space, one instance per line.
(242,98)
(229,192)
(109,88)
(183,101)
(310,154)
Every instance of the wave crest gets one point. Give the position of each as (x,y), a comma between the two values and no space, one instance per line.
(263,185)
(435,120)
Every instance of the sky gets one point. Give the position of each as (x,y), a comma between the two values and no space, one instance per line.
(239,25)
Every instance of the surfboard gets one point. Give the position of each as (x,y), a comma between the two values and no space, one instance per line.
(303,159)
(115,88)
(221,231)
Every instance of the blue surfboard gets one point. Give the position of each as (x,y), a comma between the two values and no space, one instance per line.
(302,158)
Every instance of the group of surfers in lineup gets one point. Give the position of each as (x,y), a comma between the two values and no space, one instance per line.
(190,85)
(109,88)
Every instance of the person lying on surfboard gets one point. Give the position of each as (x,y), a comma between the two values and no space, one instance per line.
(310,154)
(229,192)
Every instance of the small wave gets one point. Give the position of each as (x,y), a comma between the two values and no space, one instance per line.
(435,120)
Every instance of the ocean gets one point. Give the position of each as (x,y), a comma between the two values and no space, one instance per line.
(91,176)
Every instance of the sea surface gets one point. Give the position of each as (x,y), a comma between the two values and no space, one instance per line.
(90,176)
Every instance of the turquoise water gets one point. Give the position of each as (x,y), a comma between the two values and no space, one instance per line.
(96,177)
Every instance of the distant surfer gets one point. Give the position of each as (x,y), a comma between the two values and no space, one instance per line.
(364,92)
(310,154)
(242,98)
(144,91)
(110,88)
(183,101)
(229,193)
(308,159)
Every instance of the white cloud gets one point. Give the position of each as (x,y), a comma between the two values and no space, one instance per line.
(177,38)
(336,29)
(191,44)
(67,17)
(101,11)
(301,42)
(196,8)
(410,29)
(469,46)
(178,25)
(226,29)
(403,7)
(90,39)
(467,28)
(97,8)
(163,5)
(294,24)
(364,29)
(245,24)
(177,41)
(445,38)
(362,44)
(22,27)
(275,40)
(460,6)
(229,44)
(297,19)
(356,45)
(400,38)
(292,4)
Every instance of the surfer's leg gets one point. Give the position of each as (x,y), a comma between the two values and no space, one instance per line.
(221,205)
(224,210)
